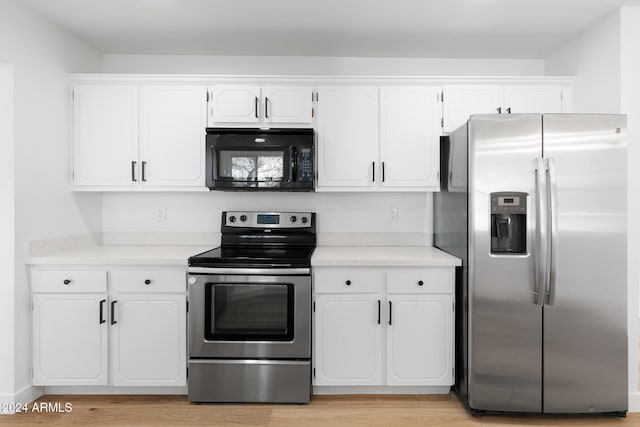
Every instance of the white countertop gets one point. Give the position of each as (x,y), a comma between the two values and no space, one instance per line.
(120,255)
(382,256)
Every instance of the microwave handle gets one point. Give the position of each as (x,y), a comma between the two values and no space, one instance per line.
(293,171)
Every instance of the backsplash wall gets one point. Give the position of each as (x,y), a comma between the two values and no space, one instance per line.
(200,212)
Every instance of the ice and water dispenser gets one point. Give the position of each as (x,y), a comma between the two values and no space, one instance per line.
(508,223)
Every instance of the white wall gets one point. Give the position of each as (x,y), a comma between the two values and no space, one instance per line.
(594,58)
(200,212)
(42,54)
(7,230)
(630,105)
(287,65)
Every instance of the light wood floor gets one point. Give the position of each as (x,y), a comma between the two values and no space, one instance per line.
(404,410)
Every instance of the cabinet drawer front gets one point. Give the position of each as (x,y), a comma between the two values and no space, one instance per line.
(409,281)
(348,281)
(148,280)
(68,281)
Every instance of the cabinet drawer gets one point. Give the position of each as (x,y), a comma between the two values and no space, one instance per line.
(68,281)
(348,281)
(148,281)
(433,281)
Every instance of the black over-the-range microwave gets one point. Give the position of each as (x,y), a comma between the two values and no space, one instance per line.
(274,159)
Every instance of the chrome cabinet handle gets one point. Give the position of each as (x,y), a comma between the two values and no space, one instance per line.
(144,165)
(133,171)
(499,110)
(553,214)
(66,281)
(266,107)
(379,304)
(373,171)
(382,171)
(113,312)
(508,110)
(102,301)
(257,105)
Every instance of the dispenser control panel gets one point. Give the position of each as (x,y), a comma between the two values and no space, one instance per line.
(509,203)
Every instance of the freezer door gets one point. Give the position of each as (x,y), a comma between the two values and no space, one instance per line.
(505,324)
(585,333)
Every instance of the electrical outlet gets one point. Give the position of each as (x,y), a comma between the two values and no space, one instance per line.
(393,214)
(161,214)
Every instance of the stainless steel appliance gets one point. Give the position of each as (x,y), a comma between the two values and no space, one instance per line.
(260,159)
(249,320)
(536,207)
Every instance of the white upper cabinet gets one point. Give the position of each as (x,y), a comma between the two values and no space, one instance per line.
(409,137)
(235,105)
(129,137)
(172,135)
(347,137)
(105,133)
(533,99)
(287,104)
(461,101)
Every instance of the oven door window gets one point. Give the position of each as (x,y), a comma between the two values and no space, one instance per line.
(249,312)
(265,168)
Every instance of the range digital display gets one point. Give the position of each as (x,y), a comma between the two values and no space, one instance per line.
(268,219)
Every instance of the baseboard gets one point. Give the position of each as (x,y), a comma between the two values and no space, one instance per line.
(381,389)
(10,402)
(114,390)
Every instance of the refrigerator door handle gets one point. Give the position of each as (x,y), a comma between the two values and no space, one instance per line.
(553,215)
(541,230)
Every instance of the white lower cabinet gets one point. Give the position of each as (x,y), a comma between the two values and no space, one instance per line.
(115,327)
(380,327)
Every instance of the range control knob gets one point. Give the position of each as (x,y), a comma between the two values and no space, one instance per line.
(304,220)
(293,218)
(243,218)
(192,280)
(232,218)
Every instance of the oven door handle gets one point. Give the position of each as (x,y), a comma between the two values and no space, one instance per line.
(251,271)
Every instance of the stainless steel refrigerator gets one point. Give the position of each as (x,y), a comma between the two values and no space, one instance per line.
(536,207)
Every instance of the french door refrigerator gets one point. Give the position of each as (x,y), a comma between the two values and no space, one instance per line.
(536,207)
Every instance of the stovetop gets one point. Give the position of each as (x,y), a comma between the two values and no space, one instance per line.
(262,240)
(253,257)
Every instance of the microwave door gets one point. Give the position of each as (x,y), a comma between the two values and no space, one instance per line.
(251,168)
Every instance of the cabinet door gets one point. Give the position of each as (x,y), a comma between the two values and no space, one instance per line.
(347,138)
(172,135)
(348,340)
(410,137)
(287,104)
(70,339)
(420,340)
(105,134)
(233,105)
(461,101)
(149,340)
(533,99)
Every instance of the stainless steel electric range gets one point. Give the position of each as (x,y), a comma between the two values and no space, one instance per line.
(249,314)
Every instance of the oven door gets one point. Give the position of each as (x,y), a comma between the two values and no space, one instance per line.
(249,316)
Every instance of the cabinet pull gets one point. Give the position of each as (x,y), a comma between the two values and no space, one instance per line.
(257,106)
(102,301)
(266,107)
(382,171)
(379,304)
(66,281)
(390,314)
(348,283)
(147,282)
(420,283)
(373,170)
(509,110)
(144,165)
(499,110)
(133,171)
(113,312)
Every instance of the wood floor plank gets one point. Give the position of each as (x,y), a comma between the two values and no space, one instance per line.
(346,410)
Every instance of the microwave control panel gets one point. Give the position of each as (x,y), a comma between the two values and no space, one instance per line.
(305,165)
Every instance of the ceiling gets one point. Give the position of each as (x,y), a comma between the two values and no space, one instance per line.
(361,28)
